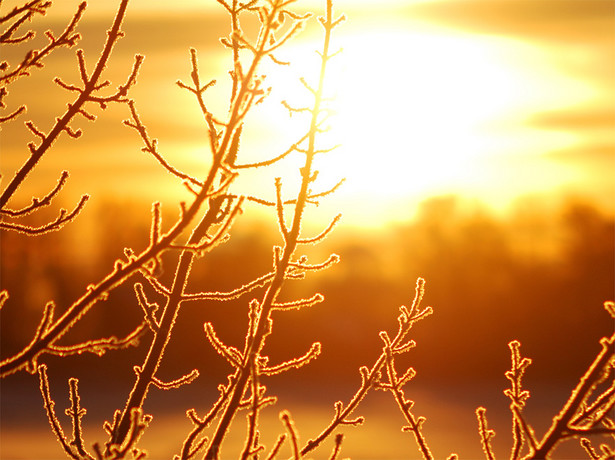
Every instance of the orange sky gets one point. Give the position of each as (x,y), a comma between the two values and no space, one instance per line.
(490,99)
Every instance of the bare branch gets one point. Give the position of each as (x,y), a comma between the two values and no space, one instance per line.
(34,58)
(100,346)
(234,294)
(4,295)
(62,219)
(292,431)
(485,433)
(301,265)
(294,363)
(275,159)
(39,202)
(151,145)
(327,192)
(13,114)
(183,380)
(323,234)
(149,309)
(298,304)
(280,208)
(337,449)
(49,404)
(231,354)
(76,412)
(276,447)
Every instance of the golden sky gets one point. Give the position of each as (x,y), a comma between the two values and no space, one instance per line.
(490,99)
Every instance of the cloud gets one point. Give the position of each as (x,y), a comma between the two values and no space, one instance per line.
(575,120)
(564,21)
(597,157)
(594,125)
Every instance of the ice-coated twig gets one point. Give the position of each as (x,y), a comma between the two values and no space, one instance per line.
(517,396)
(371,377)
(151,146)
(294,363)
(485,433)
(292,432)
(34,58)
(49,403)
(63,218)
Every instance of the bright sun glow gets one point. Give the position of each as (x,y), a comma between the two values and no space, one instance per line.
(419,114)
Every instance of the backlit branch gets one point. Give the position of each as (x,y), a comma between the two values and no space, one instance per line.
(231,354)
(247,94)
(517,396)
(149,309)
(276,447)
(183,380)
(100,346)
(63,218)
(292,431)
(34,58)
(260,322)
(280,208)
(371,377)
(595,412)
(298,304)
(91,87)
(296,27)
(191,446)
(86,94)
(485,433)
(326,192)
(151,146)
(138,423)
(28,10)
(273,160)
(337,449)
(293,110)
(256,402)
(49,404)
(311,198)
(294,363)
(39,202)
(234,294)
(301,265)
(609,306)
(76,413)
(526,431)
(198,91)
(219,237)
(154,283)
(119,274)
(563,424)
(4,296)
(12,115)
(395,384)
(323,234)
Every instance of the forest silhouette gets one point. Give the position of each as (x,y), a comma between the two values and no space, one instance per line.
(527,275)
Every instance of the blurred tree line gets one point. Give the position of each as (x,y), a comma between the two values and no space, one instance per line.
(538,275)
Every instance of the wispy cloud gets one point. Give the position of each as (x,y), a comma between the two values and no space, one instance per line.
(565,21)
(579,119)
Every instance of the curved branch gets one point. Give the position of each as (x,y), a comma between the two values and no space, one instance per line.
(39,203)
(63,218)
(62,123)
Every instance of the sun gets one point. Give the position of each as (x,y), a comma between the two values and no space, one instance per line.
(412,117)
(410,110)
(421,112)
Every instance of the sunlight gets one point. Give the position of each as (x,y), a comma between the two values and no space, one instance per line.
(419,114)
(418,117)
